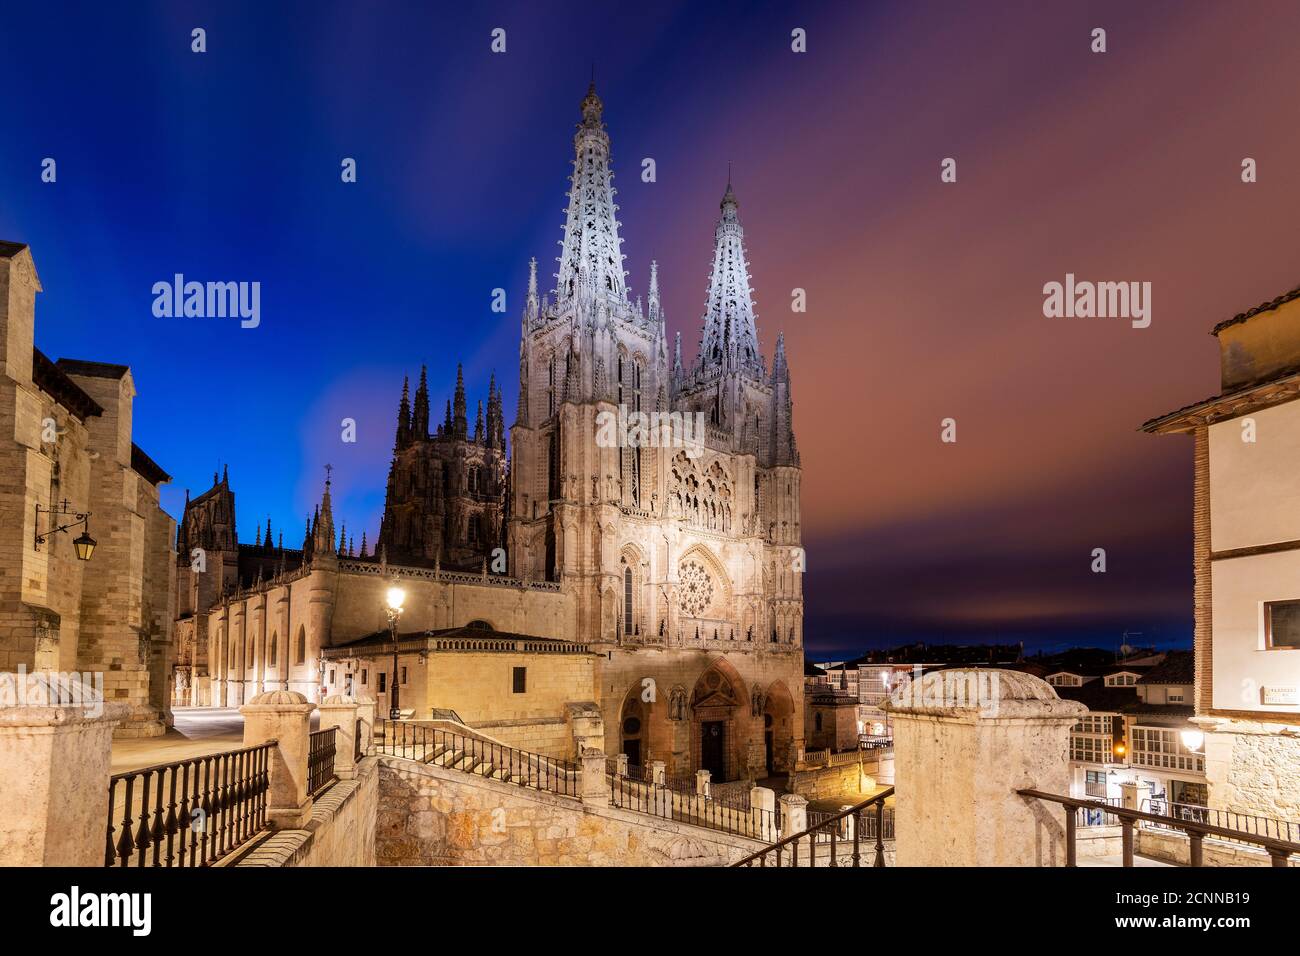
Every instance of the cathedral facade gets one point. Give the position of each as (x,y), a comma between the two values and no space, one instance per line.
(668,561)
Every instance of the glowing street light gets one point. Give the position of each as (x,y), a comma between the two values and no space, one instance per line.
(396,597)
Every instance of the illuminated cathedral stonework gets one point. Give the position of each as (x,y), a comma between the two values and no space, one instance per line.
(651,592)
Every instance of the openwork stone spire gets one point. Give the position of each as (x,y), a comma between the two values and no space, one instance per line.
(590,250)
(730,339)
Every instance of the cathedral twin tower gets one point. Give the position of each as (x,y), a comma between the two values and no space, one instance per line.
(616,522)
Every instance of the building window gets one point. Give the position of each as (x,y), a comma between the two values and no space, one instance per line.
(519,679)
(474,529)
(1175,697)
(817,722)
(383,681)
(1064,680)
(627,600)
(1282,625)
(272,656)
(300,653)
(403,676)
(365,675)
(331,675)
(1121,680)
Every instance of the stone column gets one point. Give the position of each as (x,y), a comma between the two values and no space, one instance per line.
(283,716)
(794,814)
(340,710)
(595,789)
(658,773)
(964,742)
(762,807)
(55,749)
(366,714)
(702,779)
(1135,795)
(620,761)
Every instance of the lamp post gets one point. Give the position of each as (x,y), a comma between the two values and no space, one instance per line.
(84,544)
(396,598)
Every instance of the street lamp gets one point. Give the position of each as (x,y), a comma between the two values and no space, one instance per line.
(1193,740)
(396,598)
(84,544)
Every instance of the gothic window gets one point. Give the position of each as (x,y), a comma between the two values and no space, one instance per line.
(636,386)
(553,464)
(697,588)
(620,377)
(550,381)
(271,656)
(474,479)
(627,600)
(300,652)
(475,532)
(636,476)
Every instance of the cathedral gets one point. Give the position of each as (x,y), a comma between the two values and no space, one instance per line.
(640,596)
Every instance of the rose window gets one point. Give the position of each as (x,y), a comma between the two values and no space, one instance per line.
(697,588)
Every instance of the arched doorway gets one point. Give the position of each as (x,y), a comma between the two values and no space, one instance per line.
(716,702)
(778,728)
(634,731)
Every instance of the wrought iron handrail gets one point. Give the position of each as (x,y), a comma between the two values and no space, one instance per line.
(830,824)
(320,760)
(1231,819)
(214,804)
(693,808)
(1196,830)
(485,758)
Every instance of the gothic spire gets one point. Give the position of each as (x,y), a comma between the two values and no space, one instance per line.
(730,338)
(404,416)
(459,422)
(478,423)
(323,526)
(269,537)
(343,539)
(420,414)
(531,303)
(781,444)
(591,248)
(363,545)
(656,314)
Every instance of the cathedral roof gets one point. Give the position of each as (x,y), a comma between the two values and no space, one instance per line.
(51,379)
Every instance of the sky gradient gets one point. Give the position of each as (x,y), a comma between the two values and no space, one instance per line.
(924,298)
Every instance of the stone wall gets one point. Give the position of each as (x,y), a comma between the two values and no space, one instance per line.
(1169,846)
(850,780)
(341,831)
(429,816)
(1252,768)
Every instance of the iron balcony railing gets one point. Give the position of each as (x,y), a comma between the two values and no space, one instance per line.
(845,827)
(1197,830)
(839,832)
(188,813)
(320,760)
(873,742)
(454,751)
(686,807)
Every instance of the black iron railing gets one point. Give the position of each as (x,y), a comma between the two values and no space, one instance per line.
(843,828)
(696,809)
(843,833)
(1197,830)
(735,795)
(869,742)
(1227,819)
(444,748)
(188,813)
(320,760)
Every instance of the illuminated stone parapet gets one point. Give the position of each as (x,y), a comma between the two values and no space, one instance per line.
(964,742)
